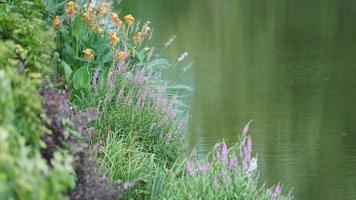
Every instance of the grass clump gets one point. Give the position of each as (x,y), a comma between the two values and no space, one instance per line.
(225,173)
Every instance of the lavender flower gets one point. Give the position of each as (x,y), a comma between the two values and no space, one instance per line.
(95,77)
(201,169)
(277,190)
(245,165)
(224,154)
(247,126)
(224,177)
(140,77)
(233,163)
(190,168)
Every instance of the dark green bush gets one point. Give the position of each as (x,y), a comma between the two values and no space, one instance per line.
(24,36)
(25,47)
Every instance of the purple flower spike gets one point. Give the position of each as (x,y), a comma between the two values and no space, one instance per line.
(224,150)
(190,168)
(233,163)
(249,144)
(277,190)
(245,165)
(95,77)
(247,126)
(223,154)
(224,177)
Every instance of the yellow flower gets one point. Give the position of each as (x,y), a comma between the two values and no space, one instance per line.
(129,19)
(89,14)
(71,5)
(147,31)
(56,21)
(114,38)
(115,19)
(88,54)
(137,37)
(104,8)
(71,12)
(121,55)
(70,8)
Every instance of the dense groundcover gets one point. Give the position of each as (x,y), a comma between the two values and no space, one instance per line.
(85,114)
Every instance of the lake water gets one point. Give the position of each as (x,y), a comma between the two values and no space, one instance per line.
(290,65)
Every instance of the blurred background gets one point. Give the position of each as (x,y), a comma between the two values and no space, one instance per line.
(289,65)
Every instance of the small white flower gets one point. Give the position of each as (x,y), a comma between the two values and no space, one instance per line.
(253,165)
(182,56)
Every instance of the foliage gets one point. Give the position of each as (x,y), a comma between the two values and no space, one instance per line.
(92,40)
(69,131)
(149,117)
(134,135)
(25,40)
(21,106)
(139,129)
(223,174)
(24,174)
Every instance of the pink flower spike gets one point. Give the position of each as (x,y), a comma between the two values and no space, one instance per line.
(224,150)
(247,126)
(190,168)
(233,163)
(224,153)
(277,190)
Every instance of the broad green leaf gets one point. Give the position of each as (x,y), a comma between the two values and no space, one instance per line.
(108,57)
(81,78)
(78,27)
(67,70)
(68,52)
(158,64)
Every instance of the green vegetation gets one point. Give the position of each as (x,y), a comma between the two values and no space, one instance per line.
(122,114)
(24,174)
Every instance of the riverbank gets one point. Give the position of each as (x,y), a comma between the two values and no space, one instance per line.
(86,101)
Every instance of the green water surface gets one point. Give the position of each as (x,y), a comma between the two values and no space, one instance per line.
(290,65)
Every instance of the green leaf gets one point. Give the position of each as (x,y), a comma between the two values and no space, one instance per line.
(158,64)
(78,27)
(81,78)
(67,70)
(140,55)
(104,74)
(68,51)
(180,87)
(108,57)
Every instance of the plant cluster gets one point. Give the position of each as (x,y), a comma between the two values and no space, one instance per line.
(85,114)
(24,174)
(225,173)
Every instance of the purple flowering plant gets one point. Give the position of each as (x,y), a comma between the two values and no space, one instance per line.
(225,173)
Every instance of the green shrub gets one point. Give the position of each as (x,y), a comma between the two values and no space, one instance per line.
(24,36)
(25,46)
(21,106)
(26,175)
